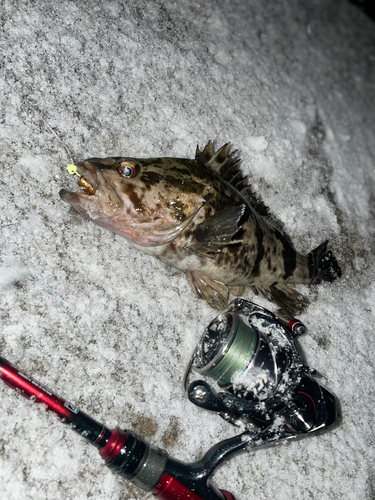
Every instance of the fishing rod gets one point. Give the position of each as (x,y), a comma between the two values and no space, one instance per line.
(146,466)
(247,368)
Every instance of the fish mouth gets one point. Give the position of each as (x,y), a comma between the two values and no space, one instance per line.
(96,189)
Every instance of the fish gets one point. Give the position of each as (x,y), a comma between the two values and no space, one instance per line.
(202,217)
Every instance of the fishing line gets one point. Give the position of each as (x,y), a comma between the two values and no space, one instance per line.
(72,169)
(25,102)
(51,129)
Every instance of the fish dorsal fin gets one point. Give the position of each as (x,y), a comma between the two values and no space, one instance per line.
(228,167)
(216,161)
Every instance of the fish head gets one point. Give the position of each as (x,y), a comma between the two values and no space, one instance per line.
(148,201)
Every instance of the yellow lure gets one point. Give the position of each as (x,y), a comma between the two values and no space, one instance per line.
(72,169)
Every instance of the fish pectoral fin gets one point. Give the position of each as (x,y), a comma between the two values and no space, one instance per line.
(217,231)
(213,292)
(284,296)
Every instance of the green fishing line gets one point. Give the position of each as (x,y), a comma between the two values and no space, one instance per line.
(238,355)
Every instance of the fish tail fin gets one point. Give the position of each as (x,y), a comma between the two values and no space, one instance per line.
(323,266)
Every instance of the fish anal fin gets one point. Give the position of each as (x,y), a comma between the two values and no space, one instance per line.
(218,230)
(284,296)
(213,292)
(288,298)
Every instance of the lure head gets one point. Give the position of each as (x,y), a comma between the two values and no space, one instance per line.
(149,202)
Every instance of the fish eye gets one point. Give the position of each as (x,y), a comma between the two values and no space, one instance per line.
(127,169)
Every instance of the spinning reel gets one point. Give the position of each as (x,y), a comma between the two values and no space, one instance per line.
(248,369)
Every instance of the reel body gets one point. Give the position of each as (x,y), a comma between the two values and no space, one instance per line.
(251,373)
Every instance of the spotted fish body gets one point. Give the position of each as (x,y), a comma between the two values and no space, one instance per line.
(201,217)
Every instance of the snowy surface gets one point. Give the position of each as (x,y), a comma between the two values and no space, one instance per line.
(291,84)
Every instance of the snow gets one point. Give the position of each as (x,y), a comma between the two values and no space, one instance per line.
(291,85)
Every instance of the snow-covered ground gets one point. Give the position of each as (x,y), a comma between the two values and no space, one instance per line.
(291,84)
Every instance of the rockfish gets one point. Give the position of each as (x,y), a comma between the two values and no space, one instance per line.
(201,217)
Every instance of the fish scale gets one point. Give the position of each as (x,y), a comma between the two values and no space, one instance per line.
(202,217)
